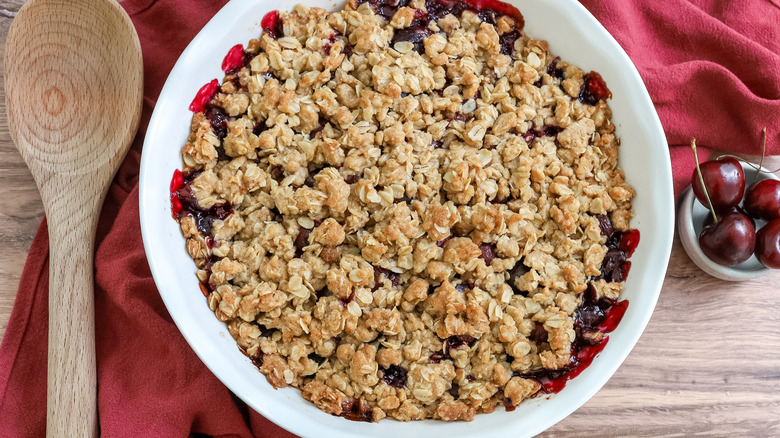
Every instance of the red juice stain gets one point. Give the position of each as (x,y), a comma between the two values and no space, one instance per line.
(205,94)
(629,241)
(234,59)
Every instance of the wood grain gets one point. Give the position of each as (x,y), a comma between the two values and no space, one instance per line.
(708,363)
(73,110)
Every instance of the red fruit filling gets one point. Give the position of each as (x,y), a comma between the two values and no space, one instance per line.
(301,241)
(176,183)
(272,25)
(357,410)
(234,59)
(395,376)
(593,318)
(546,131)
(487,10)
(188,204)
(205,94)
(390,275)
(488,253)
(593,89)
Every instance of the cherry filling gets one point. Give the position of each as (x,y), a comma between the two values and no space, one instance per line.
(593,89)
(454,391)
(218,119)
(620,246)
(176,183)
(183,203)
(453,342)
(629,240)
(234,59)
(546,131)
(301,241)
(260,128)
(272,25)
(357,410)
(488,253)
(204,95)
(390,275)
(443,242)
(593,318)
(538,334)
(507,42)
(332,39)
(256,359)
(414,35)
(553,69)
(395,376)
(457,341)
(517,271)
(487,10)
(207,287)
(438,356)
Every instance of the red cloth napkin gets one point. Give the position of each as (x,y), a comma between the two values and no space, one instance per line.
(711,68)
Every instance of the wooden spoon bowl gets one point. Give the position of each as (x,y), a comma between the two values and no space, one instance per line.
(74,86)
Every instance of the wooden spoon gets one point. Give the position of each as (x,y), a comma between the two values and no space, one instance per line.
(74,86)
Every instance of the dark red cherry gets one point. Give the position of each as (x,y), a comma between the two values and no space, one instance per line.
(729,241)
(768,245)
(762,200)
(725,181)
(708,220)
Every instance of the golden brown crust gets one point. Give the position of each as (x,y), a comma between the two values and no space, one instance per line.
(381,198)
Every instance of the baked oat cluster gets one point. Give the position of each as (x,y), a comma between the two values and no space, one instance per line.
(409,210)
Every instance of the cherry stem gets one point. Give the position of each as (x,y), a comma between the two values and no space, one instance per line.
(763,154)
(753,165)
(701,180)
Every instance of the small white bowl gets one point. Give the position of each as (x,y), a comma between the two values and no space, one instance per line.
(690,221)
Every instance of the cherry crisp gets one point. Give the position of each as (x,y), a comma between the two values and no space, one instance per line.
(407,209)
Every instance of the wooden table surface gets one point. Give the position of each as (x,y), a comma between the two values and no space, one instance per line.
(707,364)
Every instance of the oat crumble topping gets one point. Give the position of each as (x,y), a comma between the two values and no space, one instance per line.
(402,211)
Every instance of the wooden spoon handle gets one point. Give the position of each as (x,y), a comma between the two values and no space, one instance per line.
(71,390)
